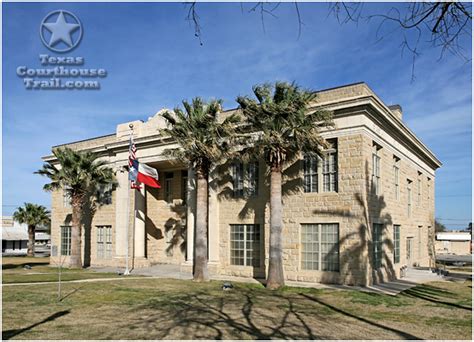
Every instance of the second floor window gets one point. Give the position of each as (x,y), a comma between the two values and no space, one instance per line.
(396,177)
(376,169)
(169,187)
(419,189)
(320,174)
(66,198)
(104,194)
(245,179)
(409,197)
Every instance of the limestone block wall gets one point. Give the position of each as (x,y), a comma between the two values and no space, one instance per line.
(166,222)
(343,207)
(386,209)
(103,216)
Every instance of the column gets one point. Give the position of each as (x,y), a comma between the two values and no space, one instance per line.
(140,218)
(121,213)
(191,211)
(213,232)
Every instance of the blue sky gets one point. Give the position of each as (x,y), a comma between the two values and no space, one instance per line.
(154,61)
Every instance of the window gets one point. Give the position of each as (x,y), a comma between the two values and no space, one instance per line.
(320,247)
(252,181)
(320,173)
(310,181)
(65,240)
(104,194)
(377,244)
(409,197)
(429,188)
(396,177)
(420,237)
(376,169)
(168,187)
(245,244)
(419,189)
(396,244)
(245,179)
(104,242)
(66,198)
(184,186)
(330,171)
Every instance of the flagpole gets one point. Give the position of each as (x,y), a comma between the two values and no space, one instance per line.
(127,222)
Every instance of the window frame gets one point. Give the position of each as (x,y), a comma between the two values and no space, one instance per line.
(65,244)
(245,179)
(376,162)
(377,244)
(67,200)
(184,187)
(409,198)
(256,253)
(318,175)
(168,194)
(323,260)
(104,244)
(396,243)
(396,177)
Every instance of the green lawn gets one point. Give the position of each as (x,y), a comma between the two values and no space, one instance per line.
(13,271)
(181,309)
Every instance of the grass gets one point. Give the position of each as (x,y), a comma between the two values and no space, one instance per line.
(13,271)
(181,309)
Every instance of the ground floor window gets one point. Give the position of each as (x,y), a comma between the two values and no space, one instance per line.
(65,240)
(320,247)
(245,244)
(396,244)
(377,244)
(104,242)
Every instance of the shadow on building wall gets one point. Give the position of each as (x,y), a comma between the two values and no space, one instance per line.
(356,256)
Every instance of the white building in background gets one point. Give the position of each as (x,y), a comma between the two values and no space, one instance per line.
(15,238)
(458,243)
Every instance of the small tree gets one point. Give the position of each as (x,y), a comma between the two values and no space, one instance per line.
(285,128)
(79,174)
(32,215)
(439,227)
(204,142)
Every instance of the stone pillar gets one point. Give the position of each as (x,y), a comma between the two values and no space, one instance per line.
(190,216)
(121,214)
(140,218)
(213,239)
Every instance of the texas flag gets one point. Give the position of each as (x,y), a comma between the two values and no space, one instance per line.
(143,173)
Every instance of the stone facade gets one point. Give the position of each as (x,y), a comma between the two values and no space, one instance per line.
(161,230)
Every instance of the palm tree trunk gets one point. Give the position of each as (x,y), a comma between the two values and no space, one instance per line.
(200,249)
(75,259)
(275,268)
(31,241)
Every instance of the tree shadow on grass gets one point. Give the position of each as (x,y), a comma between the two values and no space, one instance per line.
(401,334)
(8,334)
(434,295)
(247,314)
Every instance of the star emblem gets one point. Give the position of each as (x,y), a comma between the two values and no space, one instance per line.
(61,31)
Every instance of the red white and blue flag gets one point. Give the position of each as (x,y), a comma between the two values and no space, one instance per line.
(140,172)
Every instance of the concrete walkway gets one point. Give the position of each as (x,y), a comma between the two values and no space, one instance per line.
(413,277)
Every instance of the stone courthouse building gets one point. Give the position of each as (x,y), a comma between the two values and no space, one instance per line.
(358,216)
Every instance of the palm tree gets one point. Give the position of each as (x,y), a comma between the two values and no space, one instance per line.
(79,174)
(203,141)
(286,128)
(32,215)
